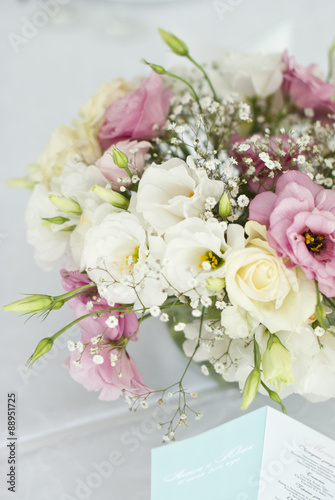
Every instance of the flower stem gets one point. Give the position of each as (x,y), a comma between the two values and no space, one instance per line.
(204,73)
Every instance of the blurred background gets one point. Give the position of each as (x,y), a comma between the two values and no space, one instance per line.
(54,55)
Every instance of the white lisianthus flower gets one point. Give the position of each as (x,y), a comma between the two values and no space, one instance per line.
(174,191)
(49,242)
(258,281)
(117,257)
(53,240)
(248,75)
(313,366)
(318,383)
(238,323)
(194,254)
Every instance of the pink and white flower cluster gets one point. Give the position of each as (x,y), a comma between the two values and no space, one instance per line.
(220,201)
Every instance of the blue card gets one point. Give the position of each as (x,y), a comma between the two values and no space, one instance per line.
(260,456)
(223,463)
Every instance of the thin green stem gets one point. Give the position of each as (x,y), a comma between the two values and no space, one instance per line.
(195,349)
(74,291)
(194,94)
(204,73)
(74,322)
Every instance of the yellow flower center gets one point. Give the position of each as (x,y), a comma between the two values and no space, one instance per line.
(214,260)
(314,242)
(127,261)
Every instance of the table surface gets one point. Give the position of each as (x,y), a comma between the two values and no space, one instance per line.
(67,438)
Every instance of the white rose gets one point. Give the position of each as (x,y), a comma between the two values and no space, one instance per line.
(93,111)
(258,281)
(194,254)
(248,75)
(65,146)
(58,151)
(172,192)
(117,257)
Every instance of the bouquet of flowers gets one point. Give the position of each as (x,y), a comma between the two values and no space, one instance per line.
(202,197)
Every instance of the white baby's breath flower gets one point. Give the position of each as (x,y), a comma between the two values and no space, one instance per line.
(204,370)
(319,331)
(155,311)
(243,201)
(243,147)
(71,345)
(112,321)
(206,301)
(113,358)
(80,346)
(219,367)
(179,327)
(98,359)
(164,317)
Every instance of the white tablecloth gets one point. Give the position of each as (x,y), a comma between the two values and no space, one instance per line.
(72,446)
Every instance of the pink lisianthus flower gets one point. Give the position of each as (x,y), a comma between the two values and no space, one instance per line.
(135,152)
(300,219)
(110,377)
(127,323)
(305,89)
(138,115)
(275,145)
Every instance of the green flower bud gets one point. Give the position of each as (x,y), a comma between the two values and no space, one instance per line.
(56,220)
(331,62)
(224,206)
(68,229)
(33,168)
(66,205)
(277,364)
(21,182)
(216,284)
(31,304)
(275,397)
(176,45)
(110,196)
(320,313)
(42,348)
(120,159)
(251,387)
(157,69)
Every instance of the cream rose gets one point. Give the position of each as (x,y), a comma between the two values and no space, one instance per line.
(93,111)
(81,139)
(258,281)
